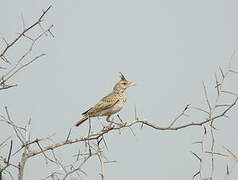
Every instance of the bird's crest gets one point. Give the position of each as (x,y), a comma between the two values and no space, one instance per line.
(122,77)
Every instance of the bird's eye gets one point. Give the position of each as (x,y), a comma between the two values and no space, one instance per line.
(124,83)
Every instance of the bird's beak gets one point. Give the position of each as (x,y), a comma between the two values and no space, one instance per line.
(131,84)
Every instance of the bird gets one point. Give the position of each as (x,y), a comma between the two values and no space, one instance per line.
(111,103)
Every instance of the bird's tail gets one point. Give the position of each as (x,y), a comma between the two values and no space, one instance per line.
(81,121)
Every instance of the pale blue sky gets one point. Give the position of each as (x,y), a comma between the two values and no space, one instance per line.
(166,47)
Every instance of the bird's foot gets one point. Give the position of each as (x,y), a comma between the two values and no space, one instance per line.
(107,128)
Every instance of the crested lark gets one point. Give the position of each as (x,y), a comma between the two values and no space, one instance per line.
(110,104)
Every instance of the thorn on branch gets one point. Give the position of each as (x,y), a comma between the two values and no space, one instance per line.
(197,173)
(5,140)
(135,111)
(186,107)
(142,124)
(5,59)
(10,152)
(206,97)
(132,131)
(68,135)
(232,71)
(197,142)
(99,140)
(213,127)
(8,160)
(217,85)
(42,152)
(200,109)
(196,156)
(5,41)
(227,170)
(205,130)
(234,156)
(229,92)
(104,141)
(4,85)
(23,22)
(222,74)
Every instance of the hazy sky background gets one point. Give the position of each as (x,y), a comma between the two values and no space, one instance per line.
(166,47)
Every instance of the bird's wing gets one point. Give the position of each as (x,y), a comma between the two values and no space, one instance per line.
(105,103)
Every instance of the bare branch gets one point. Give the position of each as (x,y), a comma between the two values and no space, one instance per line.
(206,97)
(24,31)
(180,115)
(8,159)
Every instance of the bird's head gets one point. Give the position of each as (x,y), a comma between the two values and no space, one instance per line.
(123,84)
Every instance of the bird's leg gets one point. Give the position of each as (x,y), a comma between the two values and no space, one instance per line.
(108,118)
(89,126)
(112,122)
(118,116)
(121,123)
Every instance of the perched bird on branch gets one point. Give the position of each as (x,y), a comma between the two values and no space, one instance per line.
(110,104)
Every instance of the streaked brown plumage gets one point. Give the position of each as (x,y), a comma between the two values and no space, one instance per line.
(110,104)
